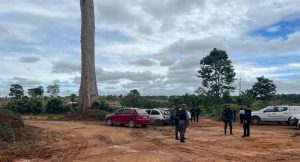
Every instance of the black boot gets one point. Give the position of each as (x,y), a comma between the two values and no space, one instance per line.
(182,140)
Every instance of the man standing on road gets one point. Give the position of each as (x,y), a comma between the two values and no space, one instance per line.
(183,122)
(247,122)
(176,121)
(171,120)
(197,113)
(228,115)
(242,114)
(193,114)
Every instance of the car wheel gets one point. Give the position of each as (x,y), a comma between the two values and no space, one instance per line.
(255,120)
(109,122)
(158,122)
(131,123)
(290,122)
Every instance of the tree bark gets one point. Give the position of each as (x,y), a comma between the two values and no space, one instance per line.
(88,92)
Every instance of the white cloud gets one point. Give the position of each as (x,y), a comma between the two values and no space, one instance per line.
(167,38)
(294,65)
(284,45)
(29,59)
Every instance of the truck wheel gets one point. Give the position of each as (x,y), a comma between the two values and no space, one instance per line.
(109,122)
(290,122)
(131,123)
(255,120)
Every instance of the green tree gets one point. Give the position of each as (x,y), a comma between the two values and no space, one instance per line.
(54,106)
(226,97)
(132,99)
(36,92)
(53,89)
(200,91)
(16,91)
(263,89)
(73,97)
(175,100)
(245,98)
(217,73)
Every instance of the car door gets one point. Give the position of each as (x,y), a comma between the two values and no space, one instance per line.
(283,113)
(267,114)
(155,115)
(278,114)
(125,117)
(118,115)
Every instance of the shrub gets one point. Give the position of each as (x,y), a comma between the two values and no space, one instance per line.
(54,106)
(102,106)
(24,105)
(9,123)
(67,108)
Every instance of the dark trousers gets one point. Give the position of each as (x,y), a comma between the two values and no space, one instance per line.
(197,117)
(193,117)
(171,121)
(176,123)
(246,129)
(241,118)
(226,122)
(182,129)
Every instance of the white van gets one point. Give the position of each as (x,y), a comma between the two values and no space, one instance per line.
(275,114)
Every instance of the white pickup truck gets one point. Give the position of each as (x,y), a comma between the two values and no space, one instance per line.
(275,114)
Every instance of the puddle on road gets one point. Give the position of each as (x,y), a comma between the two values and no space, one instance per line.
(125,148)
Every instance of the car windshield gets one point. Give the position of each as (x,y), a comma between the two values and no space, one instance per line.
(166,112)
(141,111)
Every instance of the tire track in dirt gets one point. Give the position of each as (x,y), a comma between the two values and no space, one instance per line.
(93,141)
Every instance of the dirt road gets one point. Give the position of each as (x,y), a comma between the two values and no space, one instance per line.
(94,141)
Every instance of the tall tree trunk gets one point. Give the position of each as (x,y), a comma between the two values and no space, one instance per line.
(88,87)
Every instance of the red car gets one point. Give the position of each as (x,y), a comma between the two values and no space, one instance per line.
(130,116)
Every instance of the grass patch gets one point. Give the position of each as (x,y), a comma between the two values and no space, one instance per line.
(91,114)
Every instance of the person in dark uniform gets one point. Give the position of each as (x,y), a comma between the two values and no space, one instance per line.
(247,122)
(171,120)
(193,114)
(228,115)
(176,121)
(183,122)
(197,113)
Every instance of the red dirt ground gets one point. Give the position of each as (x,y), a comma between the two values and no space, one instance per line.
(80,141)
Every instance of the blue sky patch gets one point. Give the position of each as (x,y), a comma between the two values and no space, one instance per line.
(280,29)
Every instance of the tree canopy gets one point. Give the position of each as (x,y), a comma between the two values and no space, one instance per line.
(132,99)
(16,91)
(217,73)
(36,92)
(53,89)
(263,89)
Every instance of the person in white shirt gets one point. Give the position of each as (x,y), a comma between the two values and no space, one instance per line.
(242,114)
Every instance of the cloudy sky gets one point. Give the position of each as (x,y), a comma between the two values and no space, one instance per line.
(151,45)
